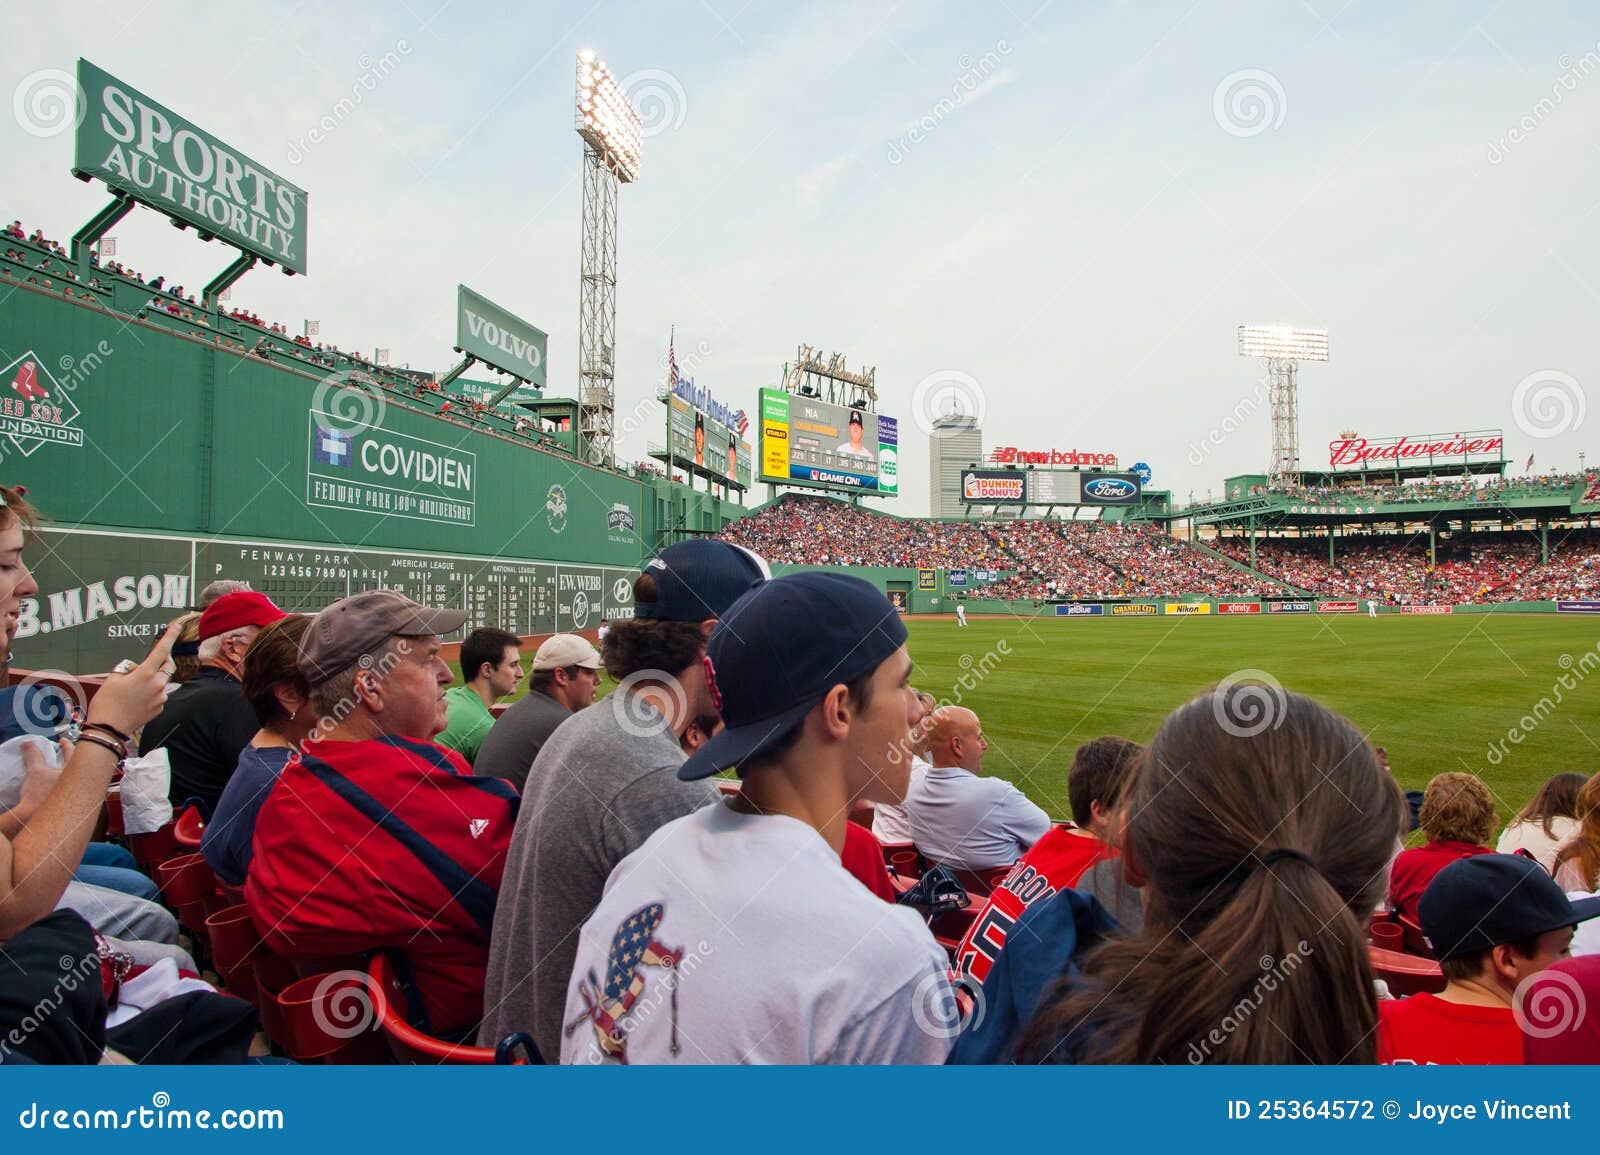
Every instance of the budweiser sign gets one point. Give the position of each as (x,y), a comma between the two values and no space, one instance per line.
(1011,455)
(1399,450)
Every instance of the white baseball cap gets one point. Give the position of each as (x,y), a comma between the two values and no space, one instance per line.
(562,650)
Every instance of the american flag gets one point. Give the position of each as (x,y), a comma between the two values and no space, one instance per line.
(633,948)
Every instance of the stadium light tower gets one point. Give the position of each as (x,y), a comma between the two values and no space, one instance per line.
(612,138)
(1283,347)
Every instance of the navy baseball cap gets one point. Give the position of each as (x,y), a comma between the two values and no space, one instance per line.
(699,579)
(1480,902)
(779,650)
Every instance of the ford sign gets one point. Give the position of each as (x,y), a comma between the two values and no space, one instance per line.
(1109,489)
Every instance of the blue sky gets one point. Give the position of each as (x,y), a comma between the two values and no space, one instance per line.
(1078,233)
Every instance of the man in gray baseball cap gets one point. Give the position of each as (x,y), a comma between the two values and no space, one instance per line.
(566,674)
(374,836)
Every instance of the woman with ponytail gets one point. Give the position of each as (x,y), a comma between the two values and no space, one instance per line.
(1262,827)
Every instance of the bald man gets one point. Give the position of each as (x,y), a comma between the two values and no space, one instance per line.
(959,818)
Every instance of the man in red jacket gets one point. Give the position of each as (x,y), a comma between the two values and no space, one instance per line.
(374,836)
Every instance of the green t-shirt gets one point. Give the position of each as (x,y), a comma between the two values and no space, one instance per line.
(468,721)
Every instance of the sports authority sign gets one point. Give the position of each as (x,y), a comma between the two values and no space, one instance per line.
(1433,449)
(158,158)
(486,331)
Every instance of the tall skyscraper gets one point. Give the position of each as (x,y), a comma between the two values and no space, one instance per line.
(955,444)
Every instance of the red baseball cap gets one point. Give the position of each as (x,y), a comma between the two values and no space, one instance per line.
(245,608)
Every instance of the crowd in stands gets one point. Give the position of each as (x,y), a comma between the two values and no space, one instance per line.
(1041,559)
(245,332)
(572,875)
(1392,569)
(1456,490)
(817,531)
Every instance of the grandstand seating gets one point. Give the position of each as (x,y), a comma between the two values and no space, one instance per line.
(1049,559)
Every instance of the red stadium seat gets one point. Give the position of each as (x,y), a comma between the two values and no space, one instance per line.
(151,850)
(981,883)
(189,887)
(410,1045)
(234,945)
(1406,974)
(188,828)
(1416,942)
(902,858)
(330,1017)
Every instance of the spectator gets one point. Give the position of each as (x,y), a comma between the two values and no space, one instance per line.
(39,850)
(605,781)
(566,674)
(889,821)
(207,722)
(1574,1036)
(186,650)
(1494,921)
(219,588)
(1458,818)
(1100,772)
(753,886)
(280,698)
(1263,857)
(374,837)
(491,667)
(1577,863)
(960,819)
(1546,822)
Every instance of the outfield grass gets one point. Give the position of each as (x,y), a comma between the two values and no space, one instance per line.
(1436,691)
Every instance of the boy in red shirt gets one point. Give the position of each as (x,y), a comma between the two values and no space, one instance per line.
(1494,921)
(1100,770)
